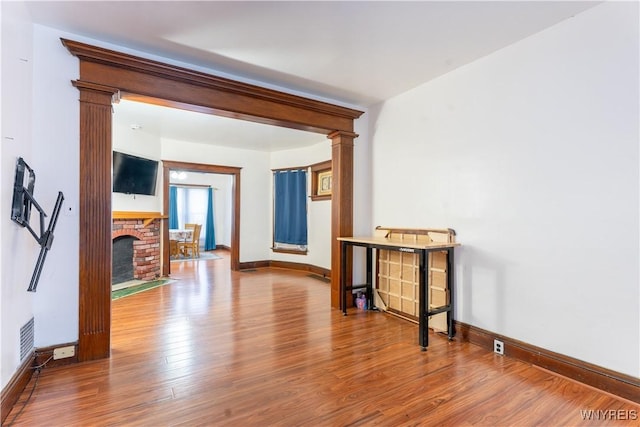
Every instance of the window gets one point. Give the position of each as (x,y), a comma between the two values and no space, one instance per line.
(290,211)
(192,208)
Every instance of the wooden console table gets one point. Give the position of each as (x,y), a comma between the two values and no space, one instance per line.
(422,249)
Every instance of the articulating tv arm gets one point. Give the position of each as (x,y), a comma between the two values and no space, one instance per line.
(20,213)
(46,239)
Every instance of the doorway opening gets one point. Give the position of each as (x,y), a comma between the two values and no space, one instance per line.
(234,223)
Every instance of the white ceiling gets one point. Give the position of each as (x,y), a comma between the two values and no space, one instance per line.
(357,53)
(183,125)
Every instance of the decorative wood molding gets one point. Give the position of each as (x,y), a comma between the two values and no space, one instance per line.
(148,217)
(98,89)
(136,215)
(201,167)
(219,95)
(324,272)
(250,265)
(301,267)
(16,385)
(105,56)
(622,385)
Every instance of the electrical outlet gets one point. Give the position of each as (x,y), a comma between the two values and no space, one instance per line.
(64,352)
(498,347)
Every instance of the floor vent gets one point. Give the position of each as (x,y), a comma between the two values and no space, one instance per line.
(250,270)
(26,339)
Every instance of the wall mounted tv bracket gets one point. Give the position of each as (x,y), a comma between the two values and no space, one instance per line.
(21,211)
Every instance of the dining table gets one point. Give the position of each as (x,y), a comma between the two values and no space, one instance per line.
(176,236)
(181,235)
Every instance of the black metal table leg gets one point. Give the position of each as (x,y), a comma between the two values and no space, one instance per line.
(450,264)
(423,290)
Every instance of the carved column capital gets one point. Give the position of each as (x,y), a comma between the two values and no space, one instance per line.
(97,93)
(342,137)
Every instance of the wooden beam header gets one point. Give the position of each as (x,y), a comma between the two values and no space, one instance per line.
(256,103)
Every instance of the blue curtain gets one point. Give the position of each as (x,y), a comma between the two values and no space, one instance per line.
(173,207)
(210,236)
(290,225)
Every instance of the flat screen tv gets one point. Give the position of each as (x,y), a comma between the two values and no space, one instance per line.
(134,175)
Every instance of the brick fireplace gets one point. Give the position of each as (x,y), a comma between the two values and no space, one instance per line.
(146,245)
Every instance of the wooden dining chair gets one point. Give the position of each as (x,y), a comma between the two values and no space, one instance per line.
(193,245)
(173,248)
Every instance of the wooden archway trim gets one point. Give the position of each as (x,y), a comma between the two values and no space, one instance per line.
(104,73)
(167,166)
(179,87)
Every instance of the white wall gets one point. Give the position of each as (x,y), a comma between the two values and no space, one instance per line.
(531,154)
(56,155)
(319,212)
(47,137)
(18,250)
(363,224)
(255,238)
(142,144)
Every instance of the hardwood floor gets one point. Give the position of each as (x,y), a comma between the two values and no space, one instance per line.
(263,348)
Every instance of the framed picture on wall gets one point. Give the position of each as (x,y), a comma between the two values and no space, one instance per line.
(324,183)
(321,181)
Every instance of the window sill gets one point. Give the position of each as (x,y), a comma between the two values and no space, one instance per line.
(289,251)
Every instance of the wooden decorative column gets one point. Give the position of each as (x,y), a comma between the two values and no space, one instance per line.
(341,205)
(95,220)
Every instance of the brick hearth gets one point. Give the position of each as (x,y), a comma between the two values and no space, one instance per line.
(146,249)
